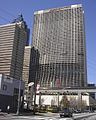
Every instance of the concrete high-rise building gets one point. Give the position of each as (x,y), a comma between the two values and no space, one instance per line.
(13,38)
(26,66)
(59,36)
(29,65)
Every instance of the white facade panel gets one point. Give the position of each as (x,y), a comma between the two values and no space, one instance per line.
(53,99)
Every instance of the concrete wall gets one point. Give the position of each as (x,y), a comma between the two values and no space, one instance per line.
(9,90)
(7,85)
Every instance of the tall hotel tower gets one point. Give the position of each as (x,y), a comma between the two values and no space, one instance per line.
(13,38)
(59,36)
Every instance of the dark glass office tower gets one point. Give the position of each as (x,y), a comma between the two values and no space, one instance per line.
(59,36)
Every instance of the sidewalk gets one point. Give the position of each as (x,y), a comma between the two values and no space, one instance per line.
(36,114)
(3,114)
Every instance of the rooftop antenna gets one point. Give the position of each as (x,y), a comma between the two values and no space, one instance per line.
(18,19)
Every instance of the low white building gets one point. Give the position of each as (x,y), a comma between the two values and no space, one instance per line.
(75,101)
(47,99)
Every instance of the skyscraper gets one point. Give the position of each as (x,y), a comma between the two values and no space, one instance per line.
(59,36)
(13,38)
(26,66)
(31,57)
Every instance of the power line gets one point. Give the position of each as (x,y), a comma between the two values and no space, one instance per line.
(4,19)
(7,12)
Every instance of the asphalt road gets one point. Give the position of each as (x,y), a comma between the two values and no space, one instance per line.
(90,118)
(45,116)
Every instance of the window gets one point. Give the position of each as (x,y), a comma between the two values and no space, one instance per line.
(4,87)
(16,91)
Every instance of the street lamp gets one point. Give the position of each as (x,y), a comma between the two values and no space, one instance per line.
(35,85)
(19,94)
(31,84)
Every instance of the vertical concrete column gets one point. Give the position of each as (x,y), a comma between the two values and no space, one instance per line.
(31,96)
(58,99)
(39,99)
(79,104)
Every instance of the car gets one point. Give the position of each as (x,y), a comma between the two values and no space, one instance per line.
(66,112)
(77,111)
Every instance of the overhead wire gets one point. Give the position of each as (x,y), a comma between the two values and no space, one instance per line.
(7,12)
(4,18)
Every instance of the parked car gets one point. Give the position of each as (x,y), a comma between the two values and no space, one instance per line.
(52,109)
(77,111)
(66,112)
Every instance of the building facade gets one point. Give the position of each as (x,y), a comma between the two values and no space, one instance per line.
(9,90)
(26,66)
(59,36)
(13,38)
(31,61)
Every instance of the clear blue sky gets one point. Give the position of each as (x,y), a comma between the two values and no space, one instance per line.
(9,9)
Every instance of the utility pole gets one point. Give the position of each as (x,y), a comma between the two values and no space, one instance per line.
(31,84)
(19,94)
(35,85)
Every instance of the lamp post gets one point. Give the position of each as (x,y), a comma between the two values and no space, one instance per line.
(35,85)
(19,94)
(31,84)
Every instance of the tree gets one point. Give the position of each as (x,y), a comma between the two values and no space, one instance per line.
(73,102)
(77,104)
(64,103)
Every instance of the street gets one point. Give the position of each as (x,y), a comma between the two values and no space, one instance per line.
(47,116)
(91,118)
